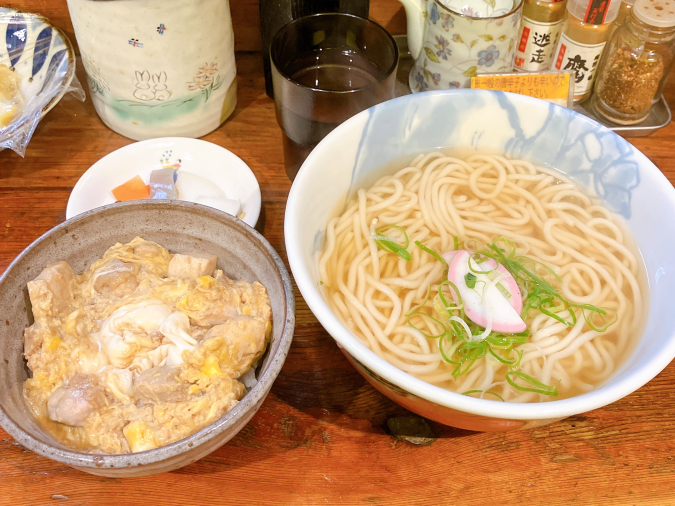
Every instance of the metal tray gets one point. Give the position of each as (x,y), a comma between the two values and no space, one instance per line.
(659,116)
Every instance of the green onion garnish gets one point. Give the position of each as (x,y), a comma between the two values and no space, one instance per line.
(540,294)
(505,360)
(606,316)
(537,386)
(503,290)
(446,304)
(470,280)
(422,314)
(436,256)
(390,245)
(419,306)
(469,392)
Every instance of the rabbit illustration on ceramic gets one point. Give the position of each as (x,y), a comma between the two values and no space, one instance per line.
(143,91)
(161,91)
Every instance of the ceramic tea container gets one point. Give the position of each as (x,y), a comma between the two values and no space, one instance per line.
(158,68)
(453,40)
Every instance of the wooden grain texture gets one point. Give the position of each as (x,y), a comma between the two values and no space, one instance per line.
(245,18)
(319,438)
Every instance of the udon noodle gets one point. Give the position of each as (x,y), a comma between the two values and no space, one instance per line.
(446,203)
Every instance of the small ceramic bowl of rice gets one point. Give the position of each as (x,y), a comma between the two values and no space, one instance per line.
(487,260)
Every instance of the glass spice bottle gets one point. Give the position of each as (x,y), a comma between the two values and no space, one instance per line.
(639,57)
(539,33)
(586,27)
(624,10)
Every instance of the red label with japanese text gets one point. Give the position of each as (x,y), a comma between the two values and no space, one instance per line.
(596,12)
(561,56)
(523,38)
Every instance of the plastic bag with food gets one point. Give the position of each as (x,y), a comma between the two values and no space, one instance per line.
(37,69)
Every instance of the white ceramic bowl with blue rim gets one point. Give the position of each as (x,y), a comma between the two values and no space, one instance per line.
(40,53)
(521,127)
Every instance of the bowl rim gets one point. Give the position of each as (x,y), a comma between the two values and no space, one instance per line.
(628,382)
(72,60)
(255,395)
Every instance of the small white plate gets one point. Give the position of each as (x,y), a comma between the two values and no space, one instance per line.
(223,168)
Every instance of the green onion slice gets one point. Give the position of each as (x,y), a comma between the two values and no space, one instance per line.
(419,306)
(390,245)
(484,392)
(599,319)
(435,255)
(422,314)
(505,360)
(446,305)
(447,356)
(535,386)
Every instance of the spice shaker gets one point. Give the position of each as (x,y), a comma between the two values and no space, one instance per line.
(637,63)
(586,28)
(539,33)
(624,10)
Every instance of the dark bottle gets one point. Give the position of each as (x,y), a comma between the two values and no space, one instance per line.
(275,14)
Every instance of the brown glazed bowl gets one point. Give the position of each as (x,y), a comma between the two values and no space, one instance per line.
(179,226)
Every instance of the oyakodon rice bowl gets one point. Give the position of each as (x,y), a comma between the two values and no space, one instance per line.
(485,275)
(242,255)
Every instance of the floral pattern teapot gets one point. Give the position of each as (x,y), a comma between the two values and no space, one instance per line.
(453,40)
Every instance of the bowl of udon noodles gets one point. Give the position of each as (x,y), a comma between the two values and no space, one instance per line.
(487,260)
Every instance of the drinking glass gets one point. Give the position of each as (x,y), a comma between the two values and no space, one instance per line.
(325,69)
(275,14)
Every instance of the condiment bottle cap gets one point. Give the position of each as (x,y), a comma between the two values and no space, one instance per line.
(660,13)
(583,9)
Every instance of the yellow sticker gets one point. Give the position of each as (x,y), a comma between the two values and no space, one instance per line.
(546,86)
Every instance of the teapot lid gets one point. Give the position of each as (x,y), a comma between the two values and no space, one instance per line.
(479,8)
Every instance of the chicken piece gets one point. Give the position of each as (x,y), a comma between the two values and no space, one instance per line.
(51,292)
(253,296)
(33,337)
(243,342)
(72,404)
(149,249)
(117,278)
(210,303)
(192,265)
(159,385)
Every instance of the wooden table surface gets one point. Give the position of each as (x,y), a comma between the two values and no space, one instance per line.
(320,436)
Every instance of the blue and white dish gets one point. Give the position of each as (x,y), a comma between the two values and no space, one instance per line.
(353,155)
(41,54)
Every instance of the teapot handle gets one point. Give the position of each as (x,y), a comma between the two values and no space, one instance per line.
(414,12)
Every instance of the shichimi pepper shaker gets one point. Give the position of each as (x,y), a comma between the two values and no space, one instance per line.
(637,62)
(586,28)
(539,33)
